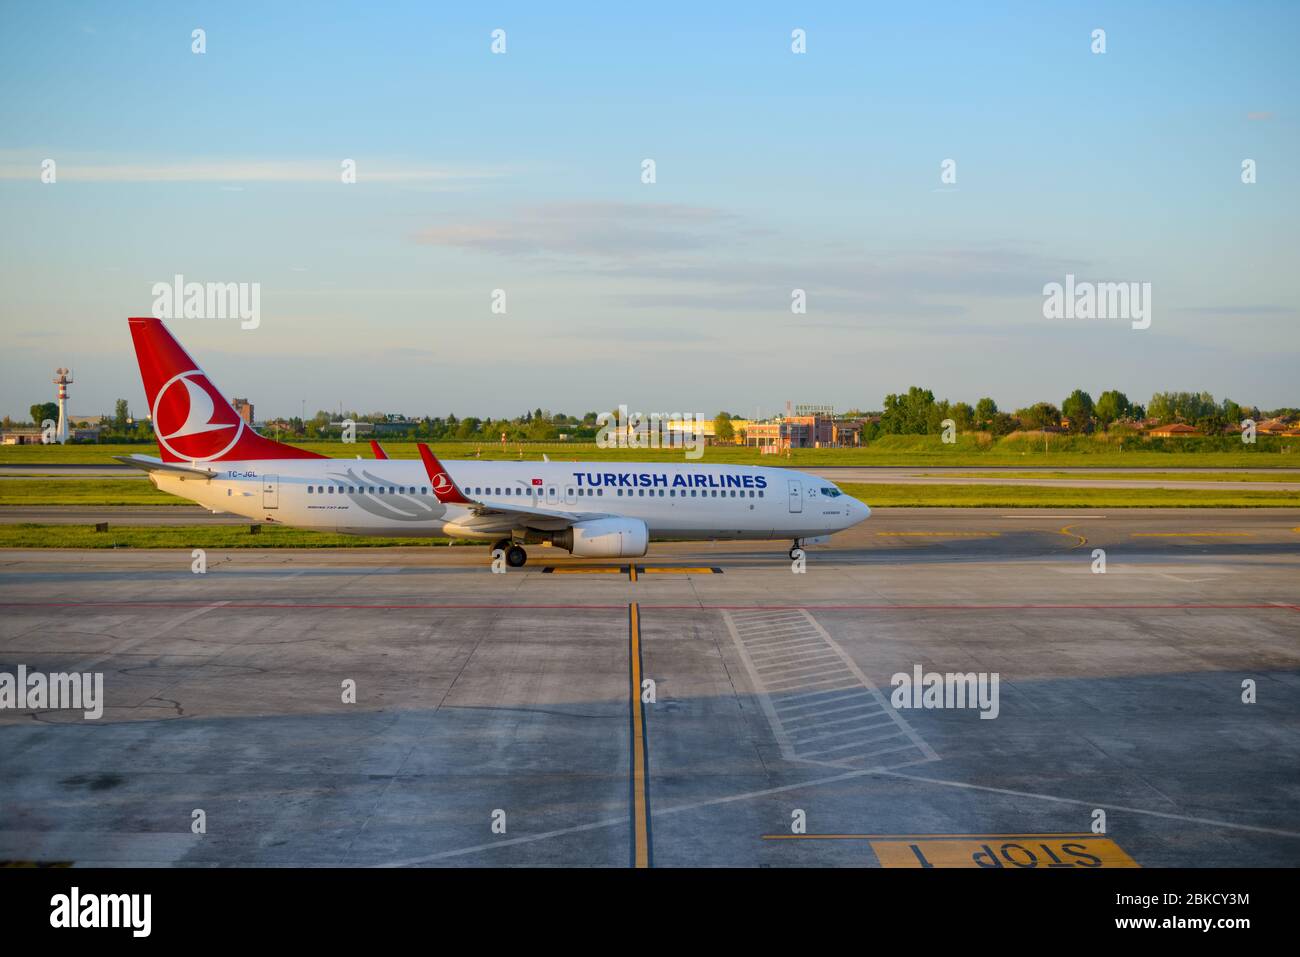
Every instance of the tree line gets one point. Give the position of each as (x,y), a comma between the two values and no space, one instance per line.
(916,412)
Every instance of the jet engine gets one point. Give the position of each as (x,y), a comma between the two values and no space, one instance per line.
(605,538)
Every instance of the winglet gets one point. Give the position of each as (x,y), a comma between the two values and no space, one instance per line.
(378,449)
(444,487)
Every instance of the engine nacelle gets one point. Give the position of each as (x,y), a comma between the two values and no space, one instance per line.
(605,538)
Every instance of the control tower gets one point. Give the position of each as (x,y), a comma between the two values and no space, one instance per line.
(63,379)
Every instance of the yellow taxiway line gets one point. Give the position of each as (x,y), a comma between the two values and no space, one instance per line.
(640,776)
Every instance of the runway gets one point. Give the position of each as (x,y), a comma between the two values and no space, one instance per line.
(505,719)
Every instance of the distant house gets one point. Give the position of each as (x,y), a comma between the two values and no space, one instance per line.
(1276,427)
(1176,430)
(21,437)
(244,408)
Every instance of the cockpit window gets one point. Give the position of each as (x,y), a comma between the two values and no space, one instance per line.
(830,491)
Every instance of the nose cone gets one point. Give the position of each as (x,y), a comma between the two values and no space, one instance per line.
(858,512)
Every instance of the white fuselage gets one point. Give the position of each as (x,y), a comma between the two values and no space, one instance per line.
(392,497)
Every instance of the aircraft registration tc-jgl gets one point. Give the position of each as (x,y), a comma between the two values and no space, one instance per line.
(209,455)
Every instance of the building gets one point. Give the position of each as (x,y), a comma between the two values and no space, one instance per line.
(1176,430)
(1276,427)
(245,410)
(816,431)
(361,428)
(21,437)
(846,433)
(392,426)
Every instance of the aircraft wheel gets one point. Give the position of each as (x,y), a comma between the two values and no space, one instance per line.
(504,544)
(516,556)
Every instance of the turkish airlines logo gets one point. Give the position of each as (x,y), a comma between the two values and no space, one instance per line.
(442,483)
(192,420)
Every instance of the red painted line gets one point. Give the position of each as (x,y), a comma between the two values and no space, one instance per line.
(1008,607)
(621,607)
(285,605)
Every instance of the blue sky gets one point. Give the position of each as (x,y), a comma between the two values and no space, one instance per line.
(775,171)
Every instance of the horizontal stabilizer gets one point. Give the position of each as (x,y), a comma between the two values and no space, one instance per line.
(150,464)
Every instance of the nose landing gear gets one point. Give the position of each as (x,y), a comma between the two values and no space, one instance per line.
(796,547)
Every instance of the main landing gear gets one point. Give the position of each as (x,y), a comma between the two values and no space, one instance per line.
(515,555)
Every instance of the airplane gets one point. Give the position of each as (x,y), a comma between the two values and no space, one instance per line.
(211,456)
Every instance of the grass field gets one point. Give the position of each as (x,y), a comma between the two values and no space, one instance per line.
(83,491)
(1143,476)
(1030,453)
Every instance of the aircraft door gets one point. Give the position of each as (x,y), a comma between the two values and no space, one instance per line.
(796,495)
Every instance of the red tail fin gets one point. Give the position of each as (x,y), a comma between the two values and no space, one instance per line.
(378,449)
(191,419)
(444,486)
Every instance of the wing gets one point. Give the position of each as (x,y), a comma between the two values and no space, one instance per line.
(489,517)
